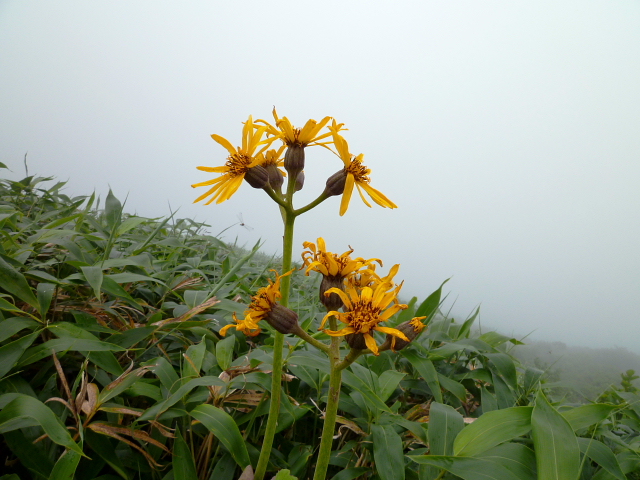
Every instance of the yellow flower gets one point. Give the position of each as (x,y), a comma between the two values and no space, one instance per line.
(261,305)
(331,264)
(239,161)
(297,137)
(364,310)
(356,174)
(370,278)
(248,326)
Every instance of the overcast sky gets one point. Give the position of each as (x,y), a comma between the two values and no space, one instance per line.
(508,134)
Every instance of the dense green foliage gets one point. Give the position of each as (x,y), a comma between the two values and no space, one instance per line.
(111,366)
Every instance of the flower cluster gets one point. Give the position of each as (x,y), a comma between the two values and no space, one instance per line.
(366,298)
(260,165)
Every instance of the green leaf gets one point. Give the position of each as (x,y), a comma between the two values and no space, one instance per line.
(387,452)
(45,295)
(586,415)
(557,451)
(350,473)
(371,399)
(22,411)
(14,282)
(452,386)
(430,305)
(184,467)
(9,307)
(284,475)
(65,467)
(11,352)
(602,455)
(426,369)
(388,382)
(492,429)
(224,351)
(120,384)
(470,468)
(195,353)
(222,425)
(445,423)
(110,287)
(112,210)
(93,276)
(505,367)
(31,456)
(13,325)
(130,223)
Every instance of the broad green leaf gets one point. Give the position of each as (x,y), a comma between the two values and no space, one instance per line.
(452,386)
(426,369)
(65,467)
(9,307)
(430,305)
(557,451)
(93,275)
(492,429)
(110,287)
(388,382)
(184,467)
(222,425)
(112,210)
(387,452)
(602,455)
(31,456)
(350,473)
(515,457)
(11,326)
(284,475)
(14,282)
(120,384)
(43,350)
(372,400)
(104,447)
(505,366)
(466,326)
(165,373)
(11,352)
(179,394)
(224,351)
(586,415)
(469,468)
(129,224)
(445,423)
(44,295)
(128,277)
(24,410)
(309,359)
(195,355)
(224,468)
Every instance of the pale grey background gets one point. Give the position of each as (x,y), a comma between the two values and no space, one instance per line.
(507,132)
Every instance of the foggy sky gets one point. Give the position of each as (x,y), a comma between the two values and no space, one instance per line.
(506,132)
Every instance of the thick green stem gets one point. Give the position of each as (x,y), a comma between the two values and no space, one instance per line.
(335,380)
(323,196)
(278,342)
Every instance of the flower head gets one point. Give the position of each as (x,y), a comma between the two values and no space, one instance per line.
(239,161)
(249,326)
(356,174)
(411,329)
(364,311)
(297,137)
(262,303)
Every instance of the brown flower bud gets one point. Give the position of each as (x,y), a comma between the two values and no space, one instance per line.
(275,176)
(411,329)
(356,340)
(299,181)
(331,301)
(257,176)
(283,319)
(336,183)
(294,159)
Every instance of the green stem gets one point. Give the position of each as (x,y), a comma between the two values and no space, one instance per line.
(278,341)
(335,380)
(323,196)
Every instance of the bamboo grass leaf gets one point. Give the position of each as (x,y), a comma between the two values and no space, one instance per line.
(556,446)
(16,284)
(602,455)
(587,415)
(23,411)
(426,369)
(387,452)
(184,467)
(65,467)
(224,427)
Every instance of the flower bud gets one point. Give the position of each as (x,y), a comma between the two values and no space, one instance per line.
(332,301)
(336,183)
(275,176)
(356,341)
(411,329)
(283,319)
(299,181)
(257,176)
(294,159)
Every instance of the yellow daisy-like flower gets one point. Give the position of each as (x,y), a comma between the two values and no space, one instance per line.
(356,174)
(248,326)
(364,311)
(297,137)
(331,264)
(239,161)
(370,278)
(261,304)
